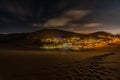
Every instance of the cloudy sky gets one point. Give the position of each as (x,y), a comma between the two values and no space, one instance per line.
(81,16)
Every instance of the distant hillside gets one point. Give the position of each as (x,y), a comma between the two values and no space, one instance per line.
(53,33)
(118,35)
(30,39)
(48,33)
(96,34)
(101,33)
(12,37)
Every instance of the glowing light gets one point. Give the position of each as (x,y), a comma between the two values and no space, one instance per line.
(76,43)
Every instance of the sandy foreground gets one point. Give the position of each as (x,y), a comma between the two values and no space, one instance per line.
(95,64)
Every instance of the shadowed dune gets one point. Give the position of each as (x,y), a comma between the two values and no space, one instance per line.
(97,64)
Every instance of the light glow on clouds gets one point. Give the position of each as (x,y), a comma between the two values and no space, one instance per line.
(92,25)
(57,22)
(68,16)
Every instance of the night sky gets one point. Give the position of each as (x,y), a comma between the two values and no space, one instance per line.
(81,16)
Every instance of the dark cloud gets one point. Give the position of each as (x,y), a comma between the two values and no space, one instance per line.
(38,10)
(85,14)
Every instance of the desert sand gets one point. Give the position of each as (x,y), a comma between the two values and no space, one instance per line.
(95,64)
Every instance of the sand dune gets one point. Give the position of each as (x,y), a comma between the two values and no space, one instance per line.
(97,64)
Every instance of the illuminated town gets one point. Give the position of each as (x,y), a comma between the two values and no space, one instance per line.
(76,43)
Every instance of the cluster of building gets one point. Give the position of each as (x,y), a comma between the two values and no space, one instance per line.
(76,43)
